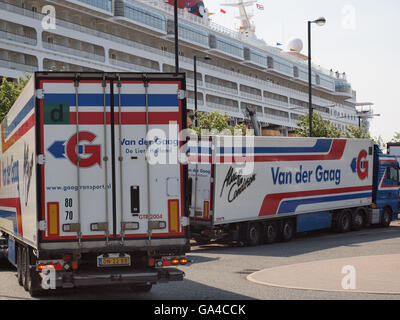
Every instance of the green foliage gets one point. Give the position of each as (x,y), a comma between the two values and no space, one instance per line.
(215,123)
(380,142)
(396,137)
(9,92)
(320,127)
(357,132)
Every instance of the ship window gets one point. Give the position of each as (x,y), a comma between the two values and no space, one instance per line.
(144,16)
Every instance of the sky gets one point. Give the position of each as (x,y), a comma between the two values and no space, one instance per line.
(361,38)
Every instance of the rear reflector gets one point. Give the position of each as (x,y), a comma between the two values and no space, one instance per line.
(53,219)
(173,214)
(206,209)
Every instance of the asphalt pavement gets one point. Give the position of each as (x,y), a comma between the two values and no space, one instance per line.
(221,272)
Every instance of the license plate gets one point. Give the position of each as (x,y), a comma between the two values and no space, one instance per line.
(113,260)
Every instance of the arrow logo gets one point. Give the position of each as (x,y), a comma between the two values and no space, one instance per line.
(71,149)
(354,165)
(57,149)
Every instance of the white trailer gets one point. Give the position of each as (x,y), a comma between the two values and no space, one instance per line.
(257,189)
(79,192)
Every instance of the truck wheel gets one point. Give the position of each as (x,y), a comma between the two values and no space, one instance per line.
(271,232)
(287,230)
(386,218)
(253,236)
(358,220)
(141,287)
(343,222)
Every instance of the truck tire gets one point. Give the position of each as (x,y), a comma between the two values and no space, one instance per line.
(386,218)
(253,235)
(271,232)
(358,220)
(343,222)
(287,232)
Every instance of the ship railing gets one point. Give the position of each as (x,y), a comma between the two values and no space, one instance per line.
(72,51)
(18,66)
(17,38)
(131,66)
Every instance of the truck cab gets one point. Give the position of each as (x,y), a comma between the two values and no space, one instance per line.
(386,186)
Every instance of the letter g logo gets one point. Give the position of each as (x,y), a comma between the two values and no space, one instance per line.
(362,165)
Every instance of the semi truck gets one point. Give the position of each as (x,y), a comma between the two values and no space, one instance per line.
(82,200)
(254,190)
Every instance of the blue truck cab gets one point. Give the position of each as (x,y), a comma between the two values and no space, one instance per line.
(386,186)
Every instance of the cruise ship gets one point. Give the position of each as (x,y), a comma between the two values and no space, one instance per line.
(138,36)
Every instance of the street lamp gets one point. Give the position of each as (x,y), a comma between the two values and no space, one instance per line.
(195,86)
(176,36)
(319,22)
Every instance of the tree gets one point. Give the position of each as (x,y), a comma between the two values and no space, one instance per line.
(357,132)
(396,137)
(380,142)
(216,123)
(320,127)
(9,92)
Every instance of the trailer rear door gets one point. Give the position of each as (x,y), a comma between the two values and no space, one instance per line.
(110,144)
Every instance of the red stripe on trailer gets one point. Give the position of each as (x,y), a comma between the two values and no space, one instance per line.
(14,203)
(335,153)
(271,202)
(129,118)
(29,124)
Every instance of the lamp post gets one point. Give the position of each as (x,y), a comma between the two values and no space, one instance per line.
(176,36)
(195,86)
(320,22)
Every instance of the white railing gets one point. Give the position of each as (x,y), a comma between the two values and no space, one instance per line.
(18,66)
(17,38)
(250,96)
(276,102)
(132,66)
(73,52)
(222,107)
(221,88)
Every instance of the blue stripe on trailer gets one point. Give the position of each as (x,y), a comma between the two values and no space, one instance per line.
(20,116)
(321,146)
(127,100)
(290,206)
(10,215)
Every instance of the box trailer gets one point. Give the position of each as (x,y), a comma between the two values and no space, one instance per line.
(261,189)
(79,193)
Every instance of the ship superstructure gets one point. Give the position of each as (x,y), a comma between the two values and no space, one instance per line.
(138,35)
